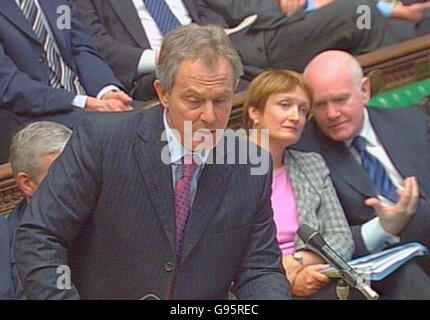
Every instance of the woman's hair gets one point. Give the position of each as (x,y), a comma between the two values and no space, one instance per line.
(268,83)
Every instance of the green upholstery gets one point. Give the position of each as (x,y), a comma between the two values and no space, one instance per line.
(402,97)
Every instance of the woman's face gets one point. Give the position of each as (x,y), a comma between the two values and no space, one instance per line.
(285,115)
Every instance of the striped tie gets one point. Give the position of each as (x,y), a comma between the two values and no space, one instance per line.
(61,75)
(162,15)
(375,171)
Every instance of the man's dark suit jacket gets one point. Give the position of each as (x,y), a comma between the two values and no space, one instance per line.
(119,34)
(8,128)
(106,209)
(405,135)
(6,283)
(24,73)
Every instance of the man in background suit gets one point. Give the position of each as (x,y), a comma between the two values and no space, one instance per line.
(51,71)
(276,40)
(379,159)
(33,150)
(129,35)
(133,216)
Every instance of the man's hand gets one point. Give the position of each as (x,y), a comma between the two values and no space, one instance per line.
(309,281)
(394,219)
(106,105)
(118,95)
(290,7)
(323,3)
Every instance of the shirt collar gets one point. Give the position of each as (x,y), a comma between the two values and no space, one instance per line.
(176,149)
(366,132)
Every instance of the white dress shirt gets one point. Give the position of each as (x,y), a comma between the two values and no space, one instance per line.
(78,101)
(147,61)
(374,236)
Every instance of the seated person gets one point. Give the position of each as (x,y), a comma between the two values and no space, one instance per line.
(33,150)
(302,191)
(379,159)
(129,33)
(52,72)
(6,283)
(412,12)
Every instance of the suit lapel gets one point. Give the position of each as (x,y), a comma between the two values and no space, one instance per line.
(127,13)
(157,176)
(192,10)
(13,13)
(51,16)
(346,167)
(211,190)
(399,148)
(397,152)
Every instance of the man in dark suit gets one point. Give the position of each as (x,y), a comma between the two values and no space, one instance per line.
(281,41)
(50,68)
(129,35)
(379,159)
(33,150)
(133,216)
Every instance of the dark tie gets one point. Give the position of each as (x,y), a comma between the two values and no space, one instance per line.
(182,211)
(61,75)
(162,15)
(375,171)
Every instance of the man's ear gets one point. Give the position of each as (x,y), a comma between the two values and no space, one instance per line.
(27,185)
(162,93)
(366,89)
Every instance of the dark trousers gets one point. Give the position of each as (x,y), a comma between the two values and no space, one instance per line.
(331,27)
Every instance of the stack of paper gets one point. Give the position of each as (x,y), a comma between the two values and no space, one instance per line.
(380,265)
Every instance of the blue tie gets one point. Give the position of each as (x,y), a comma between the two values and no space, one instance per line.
(375,170)
(162,15)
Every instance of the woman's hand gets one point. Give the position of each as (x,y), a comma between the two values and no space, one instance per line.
(309,281)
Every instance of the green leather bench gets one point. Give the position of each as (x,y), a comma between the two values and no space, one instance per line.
(402,97)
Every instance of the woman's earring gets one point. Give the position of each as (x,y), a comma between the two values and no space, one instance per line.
(256,122)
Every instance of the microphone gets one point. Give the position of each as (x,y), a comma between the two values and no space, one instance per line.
(316,242)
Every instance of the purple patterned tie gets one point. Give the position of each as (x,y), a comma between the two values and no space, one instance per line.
(183,199)
(182,211)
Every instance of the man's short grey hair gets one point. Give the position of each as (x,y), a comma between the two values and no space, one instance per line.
(36,140)
(193,42)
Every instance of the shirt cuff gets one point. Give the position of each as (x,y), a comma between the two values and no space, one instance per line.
(311,5)
(375,237)
(79,101)
(106,89)
(386,8)
(147,62)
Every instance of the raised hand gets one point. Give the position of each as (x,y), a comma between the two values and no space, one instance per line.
(394,219)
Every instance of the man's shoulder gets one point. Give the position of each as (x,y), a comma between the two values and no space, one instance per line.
(122,121)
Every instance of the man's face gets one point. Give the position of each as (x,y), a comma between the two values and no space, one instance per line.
(201,95)
(339,103)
